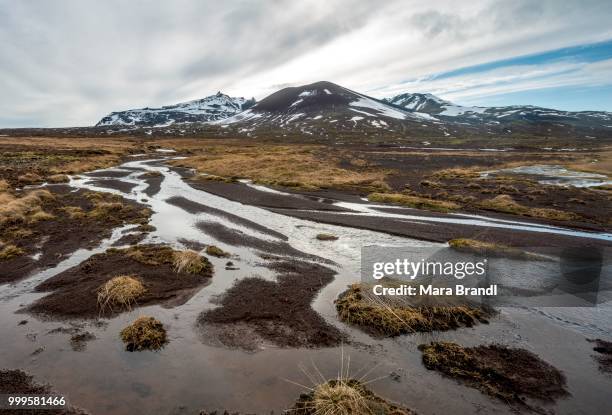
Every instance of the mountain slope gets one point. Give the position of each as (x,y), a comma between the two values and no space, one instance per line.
(522,116)
(324,106)
(214,107)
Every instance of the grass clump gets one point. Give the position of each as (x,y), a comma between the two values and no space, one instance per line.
(145,333)
(151,254)
(345,397)
(74,212)
(326,237)
(189,262)
(413,201)
(14,210)
(506,204)
(122,291)
(9,251)
(388,316)
(507,374)
(58,178)
(489,248)
(214,250)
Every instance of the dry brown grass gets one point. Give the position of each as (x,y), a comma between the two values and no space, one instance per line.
(214,250)
(74,212)
(122,291)
(413,201)
(29,178)
(15,210)
(9,251)
(306,167)
(506,204)
(392,316)
(189,262)
(58,178)
(144,333)
(344,396)
(488,248)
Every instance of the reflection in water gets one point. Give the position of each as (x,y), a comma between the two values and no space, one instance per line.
(189,374)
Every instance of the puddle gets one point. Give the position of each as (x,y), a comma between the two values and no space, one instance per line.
(555,175)
(190,374)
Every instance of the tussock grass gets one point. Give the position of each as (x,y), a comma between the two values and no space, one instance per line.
(151,255)
(413,201)
(392,316)
(58,178)
(456,173)
(214,250)
(29,178)
(144,333)
(9,251)
(15,210)
(103,210)
(303,167)
(344,396)
(506,204)
(122,291)
(40,215)
(488,248)
(326,237)
(4,186)
(74,212)
(189,262)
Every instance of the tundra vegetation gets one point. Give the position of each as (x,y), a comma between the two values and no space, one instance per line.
(385,316)
(145,333)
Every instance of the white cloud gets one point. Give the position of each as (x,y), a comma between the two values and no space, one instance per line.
(69,62)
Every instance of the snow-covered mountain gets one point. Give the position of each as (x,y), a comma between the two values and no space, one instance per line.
(322,106)
(212,108)
(442,109)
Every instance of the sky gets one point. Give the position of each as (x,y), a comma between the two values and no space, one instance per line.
(70,62)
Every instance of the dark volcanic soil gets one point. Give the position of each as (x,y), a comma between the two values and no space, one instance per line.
(242,193)
(59,237)
(194,207)
(74,291)
(115,184)
(278,312)
(234,237)
(18,382)
(604,354)
(442,232)
(511,375)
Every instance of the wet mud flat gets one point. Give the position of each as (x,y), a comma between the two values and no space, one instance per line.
(284,316)
(74,292)
(75,219)
(419,224)
(255,310)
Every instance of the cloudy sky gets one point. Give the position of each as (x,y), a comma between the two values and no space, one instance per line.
(70,62)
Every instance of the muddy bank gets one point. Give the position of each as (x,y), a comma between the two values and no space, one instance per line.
(442,231)
(109,173)
(18,382)
(255,310)
(195,207)
(74,292)
(153,183)
(240,192)
(115,184)
(512,375)
(238,238)
(78,219)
